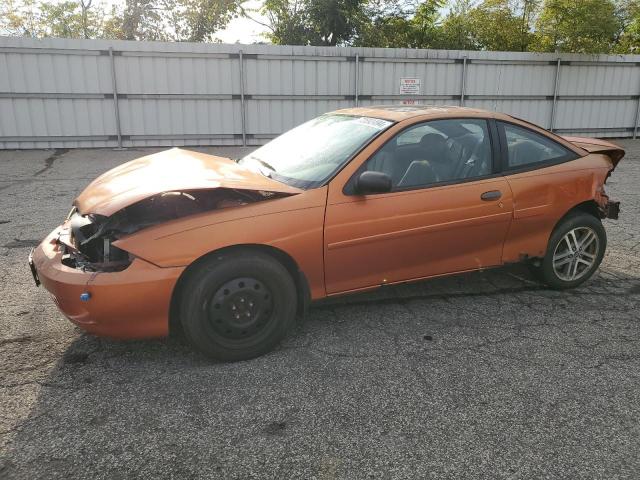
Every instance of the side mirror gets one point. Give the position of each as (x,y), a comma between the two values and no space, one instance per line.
(372,182)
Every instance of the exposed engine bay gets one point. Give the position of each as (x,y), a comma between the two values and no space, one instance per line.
(90,244)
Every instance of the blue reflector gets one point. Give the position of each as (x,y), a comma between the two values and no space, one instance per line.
(85,296)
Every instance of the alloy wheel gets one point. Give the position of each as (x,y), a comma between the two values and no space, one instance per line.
(575,254)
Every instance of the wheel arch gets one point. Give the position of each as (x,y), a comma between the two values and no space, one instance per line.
(589,206)
(298,276)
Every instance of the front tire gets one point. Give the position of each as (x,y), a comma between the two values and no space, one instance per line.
(238,305)
(575,251)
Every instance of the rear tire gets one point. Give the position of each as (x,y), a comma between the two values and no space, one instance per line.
(238,305)
(575,251)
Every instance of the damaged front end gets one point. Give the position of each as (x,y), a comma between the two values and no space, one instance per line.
(88,242)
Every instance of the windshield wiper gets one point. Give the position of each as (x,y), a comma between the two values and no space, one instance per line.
(263,163)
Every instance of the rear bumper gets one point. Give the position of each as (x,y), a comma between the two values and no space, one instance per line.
(133,303)
(611,210)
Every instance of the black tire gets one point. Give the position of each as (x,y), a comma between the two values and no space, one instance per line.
(561,275)
(225,289)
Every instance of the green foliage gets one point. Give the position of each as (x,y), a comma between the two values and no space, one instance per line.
(584,26)
(63,19)
(628,14)
(170,20)
(457,28)
(496,26)
(289,22)
(394,25)
(20,18)
(313,22)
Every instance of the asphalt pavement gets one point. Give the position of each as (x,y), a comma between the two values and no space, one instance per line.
(485,375)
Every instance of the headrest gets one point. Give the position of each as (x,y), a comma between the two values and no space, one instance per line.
(433,140)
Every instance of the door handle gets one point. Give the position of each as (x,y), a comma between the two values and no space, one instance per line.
(491,195)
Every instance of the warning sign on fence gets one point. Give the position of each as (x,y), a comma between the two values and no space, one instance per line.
(409,86)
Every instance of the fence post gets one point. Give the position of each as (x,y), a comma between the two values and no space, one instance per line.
(635,123)
(555,97)
(357,77)
(242,112)
(116,108)
(464,81)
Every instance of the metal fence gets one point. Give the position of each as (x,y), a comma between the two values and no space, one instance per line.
(96,93)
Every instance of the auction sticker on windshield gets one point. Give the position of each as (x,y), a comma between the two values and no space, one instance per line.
(376,123)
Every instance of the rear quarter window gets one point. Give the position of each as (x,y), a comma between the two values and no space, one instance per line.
(528,148)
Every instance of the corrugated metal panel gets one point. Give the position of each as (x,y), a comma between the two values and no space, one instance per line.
(599,80)
(538,112)
(59,92)
(492,79)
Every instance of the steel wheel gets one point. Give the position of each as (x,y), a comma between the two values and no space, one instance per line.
(576,253)
(240,308)
(237,305)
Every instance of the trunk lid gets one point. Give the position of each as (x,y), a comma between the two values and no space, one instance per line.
(596,145)
(167,171)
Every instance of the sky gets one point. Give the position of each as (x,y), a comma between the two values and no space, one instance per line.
(244,30)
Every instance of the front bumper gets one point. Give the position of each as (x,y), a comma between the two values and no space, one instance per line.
(133,303)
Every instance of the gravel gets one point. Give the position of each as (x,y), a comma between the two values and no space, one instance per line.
(485,375)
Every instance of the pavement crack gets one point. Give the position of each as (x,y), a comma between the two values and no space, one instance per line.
(48,162)
(23,339)
(22,243)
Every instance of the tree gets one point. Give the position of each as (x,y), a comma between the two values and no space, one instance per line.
(69,19)
(170,20)
(425,23)
(628,13)
(528,11)
(20,18)
(400,25)
(313,22)
(496,26)
(288,22)
(457,27)
(62,20)
(585,26)
(582,26)
(139,20)
(334,21)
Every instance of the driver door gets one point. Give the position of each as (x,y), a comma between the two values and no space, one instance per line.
(448,210)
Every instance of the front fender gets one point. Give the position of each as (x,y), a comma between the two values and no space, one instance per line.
(291,224)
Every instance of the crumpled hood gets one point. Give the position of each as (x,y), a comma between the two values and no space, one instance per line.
(167,171)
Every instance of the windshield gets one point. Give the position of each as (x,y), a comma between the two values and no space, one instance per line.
(308,155)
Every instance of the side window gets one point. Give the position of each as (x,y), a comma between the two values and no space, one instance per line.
(435,152)
(526,147)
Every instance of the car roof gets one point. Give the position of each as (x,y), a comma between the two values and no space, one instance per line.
(398,113)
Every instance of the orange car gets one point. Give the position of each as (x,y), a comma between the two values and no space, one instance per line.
(233,251)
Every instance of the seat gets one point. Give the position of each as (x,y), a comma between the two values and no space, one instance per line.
(433,148)
(382,162)
(477,162)
(419,172)
(524,152)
